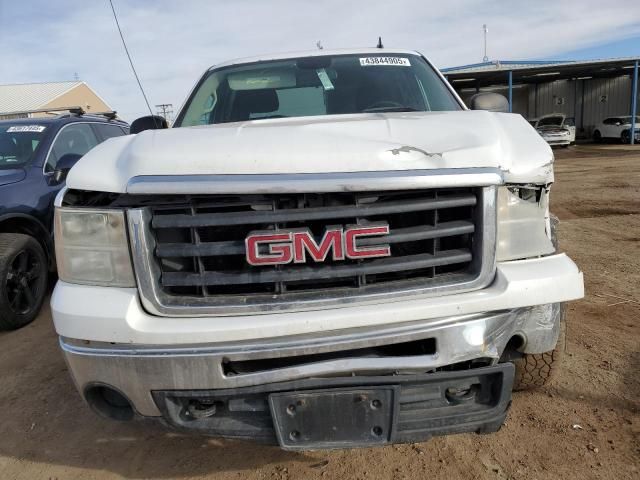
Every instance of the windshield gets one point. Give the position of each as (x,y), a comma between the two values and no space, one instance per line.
(18,144)
(626,120)
(323,85)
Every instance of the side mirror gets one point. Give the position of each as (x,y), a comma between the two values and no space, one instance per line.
(66,162)
(493,102)
(150,122)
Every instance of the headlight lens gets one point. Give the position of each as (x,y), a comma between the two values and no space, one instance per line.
(523,223)
(91,247)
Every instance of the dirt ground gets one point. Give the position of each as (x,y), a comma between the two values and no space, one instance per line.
(586,425)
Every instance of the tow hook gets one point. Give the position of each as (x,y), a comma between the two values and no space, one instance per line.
(199,410)
(458,395)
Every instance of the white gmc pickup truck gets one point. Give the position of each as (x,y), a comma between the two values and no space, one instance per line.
(327,250)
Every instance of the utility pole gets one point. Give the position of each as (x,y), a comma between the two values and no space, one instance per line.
(165,110)
(485,29)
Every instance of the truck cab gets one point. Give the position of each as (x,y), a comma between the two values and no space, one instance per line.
(327,250)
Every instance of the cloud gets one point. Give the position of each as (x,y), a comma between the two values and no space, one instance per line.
(172,43)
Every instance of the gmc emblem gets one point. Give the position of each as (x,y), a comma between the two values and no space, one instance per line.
(282,247)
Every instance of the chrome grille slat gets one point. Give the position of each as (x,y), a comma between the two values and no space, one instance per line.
(204,249)
(307,214)
(298,273)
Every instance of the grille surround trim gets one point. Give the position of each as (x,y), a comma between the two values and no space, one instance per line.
(314,182)
(159,303)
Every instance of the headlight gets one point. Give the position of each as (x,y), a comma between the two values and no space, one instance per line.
(523,223)
(92,248)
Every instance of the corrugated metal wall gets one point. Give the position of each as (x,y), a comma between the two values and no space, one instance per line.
(552,97)
(605,97)
(589,101)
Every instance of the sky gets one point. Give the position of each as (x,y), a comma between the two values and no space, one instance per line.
(173,42)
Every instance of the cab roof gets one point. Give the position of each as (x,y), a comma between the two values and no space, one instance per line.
(316,53)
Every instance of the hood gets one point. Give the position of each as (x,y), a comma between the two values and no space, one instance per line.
(556,116)
(552,129)
(11,175)
(324,144)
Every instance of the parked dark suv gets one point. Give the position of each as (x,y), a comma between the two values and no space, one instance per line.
(35,156)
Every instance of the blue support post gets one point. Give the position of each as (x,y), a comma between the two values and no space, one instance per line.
(634,102)
(510,91)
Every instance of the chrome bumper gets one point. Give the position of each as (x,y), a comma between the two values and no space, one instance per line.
(137,371)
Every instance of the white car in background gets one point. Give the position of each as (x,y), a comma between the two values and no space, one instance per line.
(556,129)
(618,128)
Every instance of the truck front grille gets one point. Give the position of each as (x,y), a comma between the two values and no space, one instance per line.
(197,253)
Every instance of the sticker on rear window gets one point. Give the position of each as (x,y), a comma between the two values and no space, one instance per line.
(393,61)
(26,128)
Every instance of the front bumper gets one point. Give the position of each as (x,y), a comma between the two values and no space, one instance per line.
(138,372)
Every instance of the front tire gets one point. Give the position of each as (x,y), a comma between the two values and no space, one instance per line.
(23,280)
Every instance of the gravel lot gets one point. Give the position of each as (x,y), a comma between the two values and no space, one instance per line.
(586,425)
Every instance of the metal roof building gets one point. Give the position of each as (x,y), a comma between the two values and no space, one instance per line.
(589,90)
(15,99)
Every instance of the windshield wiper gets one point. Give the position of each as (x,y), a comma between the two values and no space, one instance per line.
(390,109)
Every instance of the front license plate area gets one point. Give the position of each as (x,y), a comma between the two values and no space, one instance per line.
(337,418)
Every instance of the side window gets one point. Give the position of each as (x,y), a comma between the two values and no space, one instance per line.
(107,131)
(74,138)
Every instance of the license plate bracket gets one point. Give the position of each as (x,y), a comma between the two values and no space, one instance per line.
(335,418)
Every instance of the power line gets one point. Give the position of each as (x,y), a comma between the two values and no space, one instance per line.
(129,57)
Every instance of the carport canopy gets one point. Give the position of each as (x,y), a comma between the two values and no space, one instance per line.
(507,73)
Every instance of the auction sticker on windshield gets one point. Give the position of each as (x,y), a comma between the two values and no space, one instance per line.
(26,128)
(393,61)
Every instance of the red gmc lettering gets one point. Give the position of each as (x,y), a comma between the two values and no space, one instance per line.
(303,243)
(353,251)
(279,253)
(294,246)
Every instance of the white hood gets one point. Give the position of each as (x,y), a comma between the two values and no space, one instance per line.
(324,144)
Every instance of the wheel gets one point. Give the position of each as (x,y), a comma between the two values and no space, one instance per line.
(625,137)
(23,280)
(534,370)
(597,136)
